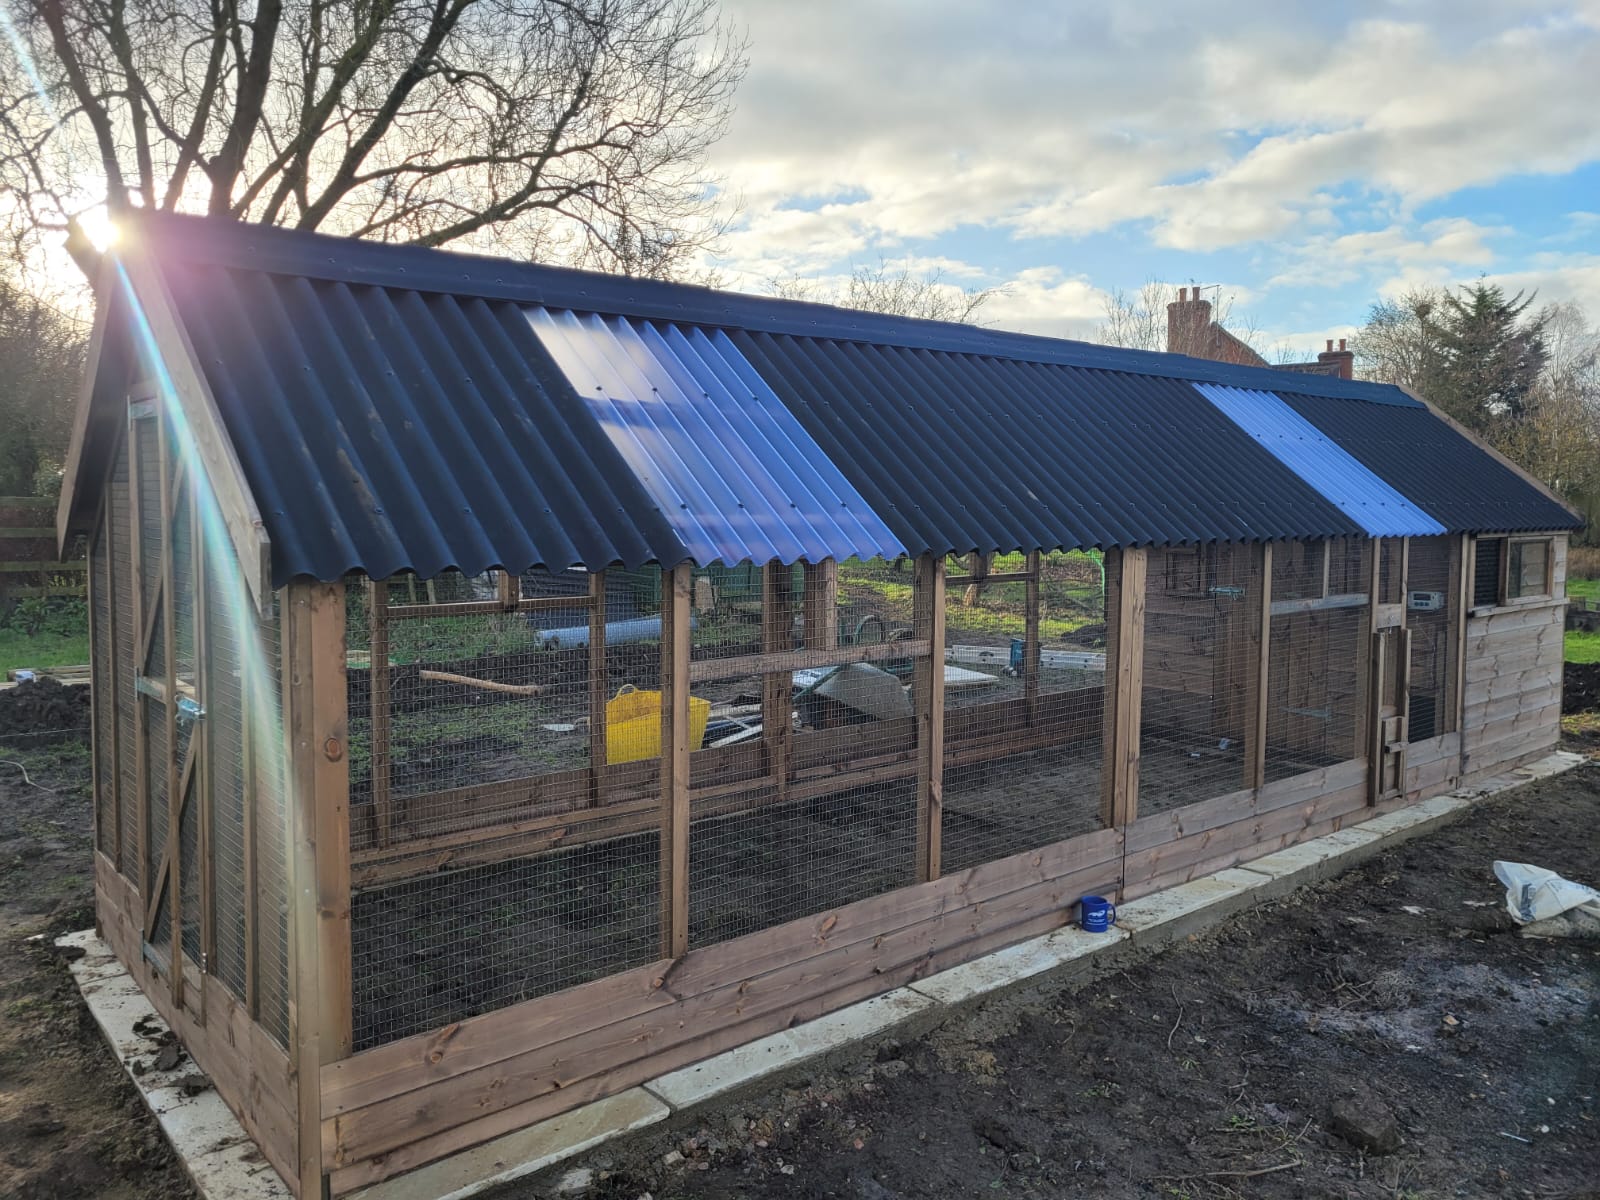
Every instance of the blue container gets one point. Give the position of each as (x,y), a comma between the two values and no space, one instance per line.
(1016,656)
(1096,914)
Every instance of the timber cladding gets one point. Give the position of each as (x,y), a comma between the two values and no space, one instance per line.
(1512,698)
(398,1106)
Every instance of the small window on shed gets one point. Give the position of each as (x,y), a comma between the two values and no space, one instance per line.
(1486,572)
(1528,570)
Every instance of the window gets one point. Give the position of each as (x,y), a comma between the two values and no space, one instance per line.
(1528,570)
(1507,570)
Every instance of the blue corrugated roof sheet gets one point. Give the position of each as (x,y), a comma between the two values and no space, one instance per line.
(1379,509)
(394,409)
(731,469)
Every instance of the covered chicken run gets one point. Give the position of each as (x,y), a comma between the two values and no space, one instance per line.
(512,684)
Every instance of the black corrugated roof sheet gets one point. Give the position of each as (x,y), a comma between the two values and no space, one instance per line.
(393,409)
(1464,488)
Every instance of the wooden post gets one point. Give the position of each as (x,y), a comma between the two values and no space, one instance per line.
(675,647)
(822,605)
(1259,702)
(1030,637)
(1119,779)
(169,641)
(927,692)
(599,688)
(508,589)
(379,689)
(777,687)
(315,720)
(1459,599)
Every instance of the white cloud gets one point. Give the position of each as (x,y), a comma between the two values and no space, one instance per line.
(1251,123)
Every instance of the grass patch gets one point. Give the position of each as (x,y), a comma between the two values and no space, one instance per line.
(1587,589)
(46,649)
(1583,647)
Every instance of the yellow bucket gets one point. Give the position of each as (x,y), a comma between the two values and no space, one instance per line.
(633,724)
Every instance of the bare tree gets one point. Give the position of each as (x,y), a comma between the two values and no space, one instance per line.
(42,352)
(1139,322)
(574,129)
(894,289)
(1399,343)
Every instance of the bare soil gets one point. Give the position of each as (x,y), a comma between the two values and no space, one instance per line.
(71,1124)
(1206,1072)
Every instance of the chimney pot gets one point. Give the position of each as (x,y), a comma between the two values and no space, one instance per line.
(1330,346)
(1183,295)
(1341,344)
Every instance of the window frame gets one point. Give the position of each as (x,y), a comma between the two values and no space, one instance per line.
(1546,584)
(1503,551)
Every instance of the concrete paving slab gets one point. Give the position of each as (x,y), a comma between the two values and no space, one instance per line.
(765,1057)
(523,1152)
(1164,917)
(1016,963)
(860,1021)
(219,1156)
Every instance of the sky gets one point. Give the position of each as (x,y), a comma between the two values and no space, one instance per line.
(1308,159)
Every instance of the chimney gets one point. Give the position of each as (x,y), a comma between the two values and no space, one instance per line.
(1342,361)
(1189,324)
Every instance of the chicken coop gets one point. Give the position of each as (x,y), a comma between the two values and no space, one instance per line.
(512,684)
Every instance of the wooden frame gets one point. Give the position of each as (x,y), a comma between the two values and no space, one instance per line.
(320,958)
(927,701)
(360,1118)
(676,590)
(1125,596)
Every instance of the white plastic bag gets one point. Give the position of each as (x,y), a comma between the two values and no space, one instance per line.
(1534,894)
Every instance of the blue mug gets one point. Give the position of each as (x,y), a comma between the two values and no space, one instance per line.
(1097,914)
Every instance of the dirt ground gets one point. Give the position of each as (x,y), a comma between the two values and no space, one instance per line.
(1207,1072)
(71,1125)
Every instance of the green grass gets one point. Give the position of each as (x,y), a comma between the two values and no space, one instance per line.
(18,649)
(1583,647)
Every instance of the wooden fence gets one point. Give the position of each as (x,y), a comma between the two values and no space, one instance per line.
(29,565)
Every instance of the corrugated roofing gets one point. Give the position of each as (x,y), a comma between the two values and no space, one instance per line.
(385,430)
(733,472)
(385,264)
(960,452)
(1299,445)
(394,408)
(1455,480)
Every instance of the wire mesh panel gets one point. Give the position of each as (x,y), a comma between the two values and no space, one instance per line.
(1024,706)
(100,689)
(819,810)
(268,776)
(562,906)
(228,630)
(1201,643)
(1432,615)
(1318,661)
(119,518)
(505,741)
